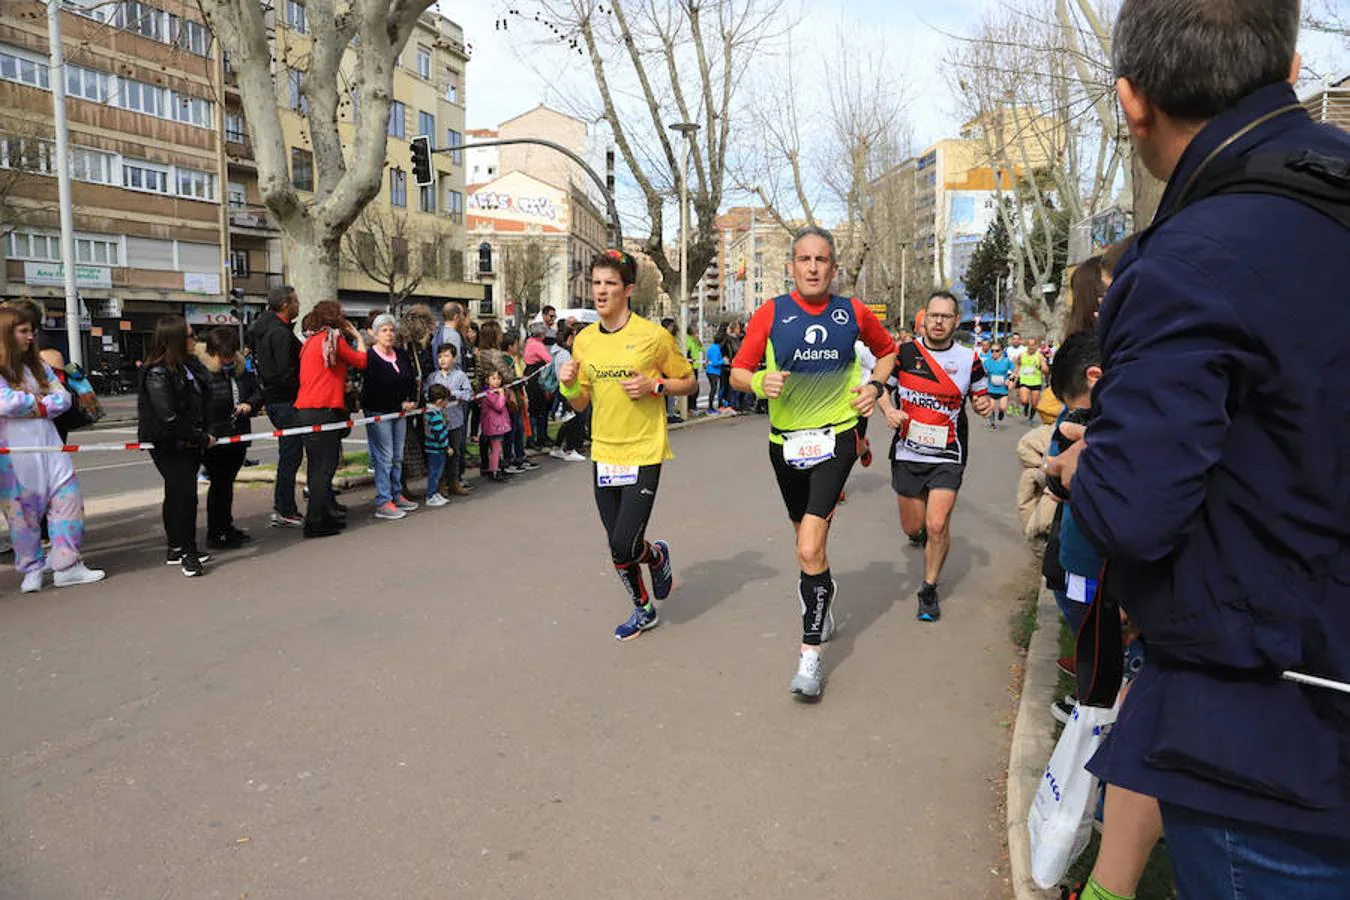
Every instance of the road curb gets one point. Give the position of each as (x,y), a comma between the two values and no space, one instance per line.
(1032,743)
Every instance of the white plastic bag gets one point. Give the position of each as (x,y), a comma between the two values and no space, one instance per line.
(1060,821)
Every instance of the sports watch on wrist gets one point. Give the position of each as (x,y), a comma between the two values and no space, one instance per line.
(658,387)
(881,388)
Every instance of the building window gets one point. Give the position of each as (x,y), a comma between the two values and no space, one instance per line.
(236,194)
(398,119)
(455,139)
(297,99)
(23,70)
(193,37)
(92,165)
(236,132)
(141,176)
(197,185)
(86,84)
(93,251)
(239,263)
(24,245)
(454,205)
(485,258)
(145,20)
(424,63)
(426,124)
(295,16)
(452,85)
(426,198)
(302,169)
(398,187)
(26,154)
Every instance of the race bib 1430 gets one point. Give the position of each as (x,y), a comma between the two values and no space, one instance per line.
(607,475)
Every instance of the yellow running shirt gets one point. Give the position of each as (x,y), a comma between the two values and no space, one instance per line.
(627,432)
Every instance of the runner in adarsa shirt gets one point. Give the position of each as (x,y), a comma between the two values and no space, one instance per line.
(622,367)
(806,341)
(928,455)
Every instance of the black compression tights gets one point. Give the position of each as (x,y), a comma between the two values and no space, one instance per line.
(624,511)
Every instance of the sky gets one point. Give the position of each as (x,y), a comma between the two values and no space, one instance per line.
(508,75)
(513,71)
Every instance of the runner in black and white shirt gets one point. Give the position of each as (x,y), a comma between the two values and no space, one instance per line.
(929,452)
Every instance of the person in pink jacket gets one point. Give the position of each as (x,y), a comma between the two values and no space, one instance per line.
(496,422)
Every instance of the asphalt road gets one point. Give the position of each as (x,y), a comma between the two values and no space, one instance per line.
(437,708)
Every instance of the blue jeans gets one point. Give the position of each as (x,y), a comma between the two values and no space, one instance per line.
(385,440)
(290,450)
(459,441)
(1072,611)
(435,467)
(1214,858)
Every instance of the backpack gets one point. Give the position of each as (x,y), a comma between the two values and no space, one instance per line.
(548,377)
(1313,179)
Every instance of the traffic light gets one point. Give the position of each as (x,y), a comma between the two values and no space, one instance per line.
(421,161)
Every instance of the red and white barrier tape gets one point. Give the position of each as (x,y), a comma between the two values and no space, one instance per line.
(246,438)
(231,439)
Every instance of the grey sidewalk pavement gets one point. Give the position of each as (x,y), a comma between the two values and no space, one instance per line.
(436,707)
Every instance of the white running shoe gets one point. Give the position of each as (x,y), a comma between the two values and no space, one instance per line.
(572,456)
(806,683)
(78,574)
(436,500)
(557,453)
(32,582)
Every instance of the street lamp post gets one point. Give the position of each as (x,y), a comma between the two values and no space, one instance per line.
(687,130)
(904,280)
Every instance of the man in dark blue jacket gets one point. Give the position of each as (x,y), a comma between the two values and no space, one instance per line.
(1215,476)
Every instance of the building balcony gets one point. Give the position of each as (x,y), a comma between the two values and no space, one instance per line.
(258,283)
(252,219)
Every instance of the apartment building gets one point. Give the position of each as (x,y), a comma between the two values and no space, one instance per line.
(535,195)
(752,265)
(146,168)
(168,218)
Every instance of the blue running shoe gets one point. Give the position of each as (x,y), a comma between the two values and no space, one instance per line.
(663,578)
(929,610)
(643,618)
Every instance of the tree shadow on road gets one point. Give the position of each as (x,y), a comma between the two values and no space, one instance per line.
(703,585)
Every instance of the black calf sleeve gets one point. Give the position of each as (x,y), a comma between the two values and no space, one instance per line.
(816,592)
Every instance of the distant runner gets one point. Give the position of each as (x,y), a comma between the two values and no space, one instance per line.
(622,368)
(928,455)
(806,340)
(1000,371)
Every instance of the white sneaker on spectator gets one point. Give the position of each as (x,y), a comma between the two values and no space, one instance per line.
(32,582)
(436,500)
(77,574)
(568,416)
(557,453)
(572,456)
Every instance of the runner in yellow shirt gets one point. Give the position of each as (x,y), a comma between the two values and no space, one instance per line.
(623,368)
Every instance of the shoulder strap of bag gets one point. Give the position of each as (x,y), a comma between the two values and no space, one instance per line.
(1313,179)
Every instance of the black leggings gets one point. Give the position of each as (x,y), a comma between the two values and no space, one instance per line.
(624,511)
(179,469)
(222,463)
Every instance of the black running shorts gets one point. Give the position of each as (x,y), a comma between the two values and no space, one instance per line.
(815,491)
(916,479)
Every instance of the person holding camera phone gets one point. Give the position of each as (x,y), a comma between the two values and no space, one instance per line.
(324,361)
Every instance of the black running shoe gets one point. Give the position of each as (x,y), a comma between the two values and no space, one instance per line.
(191,565)
(929,611)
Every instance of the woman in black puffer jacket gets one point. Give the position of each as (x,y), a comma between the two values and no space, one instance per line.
(170,406)
(233,397)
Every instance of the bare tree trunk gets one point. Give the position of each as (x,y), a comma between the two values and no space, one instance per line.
(313,269)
